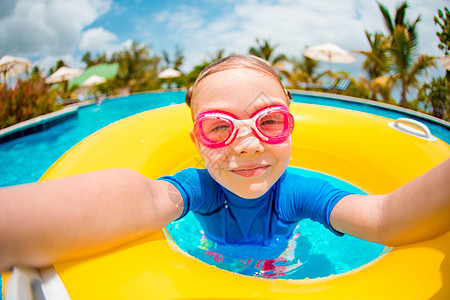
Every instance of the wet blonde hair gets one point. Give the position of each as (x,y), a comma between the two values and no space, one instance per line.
(231,62)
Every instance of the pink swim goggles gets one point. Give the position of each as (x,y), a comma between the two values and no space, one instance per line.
(215,129)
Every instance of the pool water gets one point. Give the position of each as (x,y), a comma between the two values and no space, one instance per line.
(313,250)
(26,159)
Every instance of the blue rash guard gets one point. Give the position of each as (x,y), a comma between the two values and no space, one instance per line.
(265,221)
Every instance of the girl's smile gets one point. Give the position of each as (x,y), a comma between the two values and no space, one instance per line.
(252,171)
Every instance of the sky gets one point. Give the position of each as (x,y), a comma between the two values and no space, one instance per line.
(48,30)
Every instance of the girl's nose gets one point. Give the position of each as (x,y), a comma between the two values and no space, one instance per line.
(247,143)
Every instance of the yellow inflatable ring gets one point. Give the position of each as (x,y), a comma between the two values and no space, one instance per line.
(359,148)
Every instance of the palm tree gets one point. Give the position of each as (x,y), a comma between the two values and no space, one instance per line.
(60,63)
(177,61)
(137,69)
(407,70)
(266,51)
(216,56)
(377,61)
(406,66)
(303,71)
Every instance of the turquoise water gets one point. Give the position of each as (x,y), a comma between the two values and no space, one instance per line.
(25,160)
(313,250)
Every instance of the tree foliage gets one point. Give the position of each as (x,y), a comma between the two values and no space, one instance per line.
(138,70)
(405,63)
(443,20)
(92,61)
(190,77)
(177,60)
(435,97)
(376,64)
(303,71)
(266,51)
(218,55)
(27,99)
(444,35)
(60,63)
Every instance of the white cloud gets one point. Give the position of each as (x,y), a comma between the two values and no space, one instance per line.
(97,40)
(162,16)
(183,19)
(37,28)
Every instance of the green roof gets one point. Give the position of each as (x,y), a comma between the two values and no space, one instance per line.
(107,71)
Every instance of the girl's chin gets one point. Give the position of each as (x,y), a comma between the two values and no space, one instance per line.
(253,191)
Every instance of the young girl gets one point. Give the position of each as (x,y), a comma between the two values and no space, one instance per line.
(244,197)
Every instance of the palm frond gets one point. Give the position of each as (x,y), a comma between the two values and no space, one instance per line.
(279,59)
(420,67)
(376,62)
(401,50)
(265,50)
(400,14)
(387,17)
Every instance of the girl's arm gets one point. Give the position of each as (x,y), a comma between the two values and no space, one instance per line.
(80,215)
(415,212)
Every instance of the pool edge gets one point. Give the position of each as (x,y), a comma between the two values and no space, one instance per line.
(331,96)
(40,123)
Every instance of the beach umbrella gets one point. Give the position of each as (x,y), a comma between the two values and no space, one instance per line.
(93,80)
(445,62)
(11,66)
(62,74)
(169,73)
(329,52)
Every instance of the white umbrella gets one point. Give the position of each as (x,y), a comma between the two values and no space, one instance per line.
(93,80)
(169,73)
(63,74)
(329,52)
(445,62)
(11,66)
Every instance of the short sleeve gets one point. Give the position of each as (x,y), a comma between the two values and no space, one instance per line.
(195,186)
(309,198)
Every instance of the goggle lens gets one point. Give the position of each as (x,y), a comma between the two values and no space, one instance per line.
(215,130)
(273,124)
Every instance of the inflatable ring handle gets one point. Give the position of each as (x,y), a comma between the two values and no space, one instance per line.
(413,127)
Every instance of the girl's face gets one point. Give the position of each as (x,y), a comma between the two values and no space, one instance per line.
(247,167)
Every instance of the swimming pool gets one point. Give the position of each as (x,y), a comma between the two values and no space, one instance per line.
(26,159)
